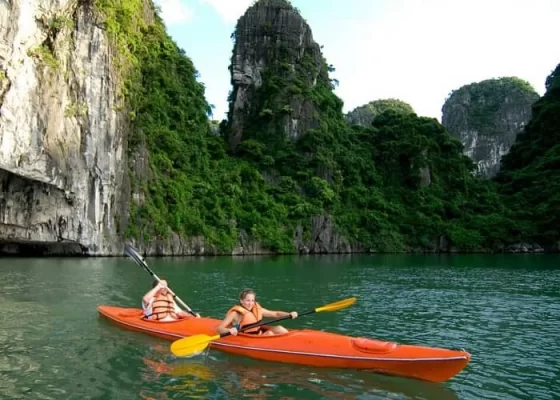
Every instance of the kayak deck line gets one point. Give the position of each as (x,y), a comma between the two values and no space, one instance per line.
(302,353)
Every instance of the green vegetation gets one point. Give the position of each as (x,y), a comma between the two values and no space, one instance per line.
(192,188)
(368,180)
(401,184)
(125,25)
(364,115)
(53,25)
(387,205)
(530,173)
(75,110)
(44,54)
(169,117)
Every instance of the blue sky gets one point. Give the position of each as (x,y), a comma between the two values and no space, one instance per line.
(417,51)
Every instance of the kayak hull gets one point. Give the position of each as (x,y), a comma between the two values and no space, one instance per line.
(308,347)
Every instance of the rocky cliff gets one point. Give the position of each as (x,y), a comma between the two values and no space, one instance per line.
(62,141)
(281,107)
(486,117)
(275,61)
(364,115)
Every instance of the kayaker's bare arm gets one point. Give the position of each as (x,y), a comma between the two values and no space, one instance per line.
(150,295)
(278,314)
(230,319)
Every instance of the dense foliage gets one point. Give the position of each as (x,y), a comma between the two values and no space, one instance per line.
(364,115)
(369,180)
(408,187)
(191,186)
(401,184)
(530,172)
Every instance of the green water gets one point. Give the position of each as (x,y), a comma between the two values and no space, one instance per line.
(504,309)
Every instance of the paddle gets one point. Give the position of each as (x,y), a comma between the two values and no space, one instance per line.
(132,253)
(195,344)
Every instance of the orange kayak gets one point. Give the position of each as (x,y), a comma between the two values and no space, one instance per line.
(308,347)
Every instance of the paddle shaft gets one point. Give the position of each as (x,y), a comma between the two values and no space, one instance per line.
(130,251)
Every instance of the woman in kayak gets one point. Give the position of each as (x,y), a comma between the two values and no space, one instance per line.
(247,312)
(158,304)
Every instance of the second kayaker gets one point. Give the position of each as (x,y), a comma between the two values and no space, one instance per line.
(158,304)
(247,312)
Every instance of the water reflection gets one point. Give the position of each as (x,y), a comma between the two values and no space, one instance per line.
(237,377)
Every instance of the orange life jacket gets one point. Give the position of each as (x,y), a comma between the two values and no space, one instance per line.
(162,306)
(249,317)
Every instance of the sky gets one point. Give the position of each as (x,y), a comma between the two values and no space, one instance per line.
(417,51)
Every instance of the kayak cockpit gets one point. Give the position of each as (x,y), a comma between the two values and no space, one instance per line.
(373,346)
(135,313)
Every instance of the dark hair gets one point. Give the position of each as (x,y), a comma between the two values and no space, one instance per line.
(245,292)
(155,283)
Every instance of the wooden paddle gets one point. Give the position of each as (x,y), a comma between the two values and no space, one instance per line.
(132,253)
(195,344)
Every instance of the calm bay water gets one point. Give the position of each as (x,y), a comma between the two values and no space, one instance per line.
(504,309)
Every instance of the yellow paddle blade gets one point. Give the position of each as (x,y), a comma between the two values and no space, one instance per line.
(339,305)
(191,345)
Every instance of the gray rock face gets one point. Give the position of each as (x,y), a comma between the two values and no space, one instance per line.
(487,117)
(323,238)
(272,34)
(63,163)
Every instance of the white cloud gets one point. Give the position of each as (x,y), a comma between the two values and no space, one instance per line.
(174,11)
(230,10)
(420,51)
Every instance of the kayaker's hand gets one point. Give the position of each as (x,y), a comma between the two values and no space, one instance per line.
(162,284)
(233,331)
(294,314)
(197,315)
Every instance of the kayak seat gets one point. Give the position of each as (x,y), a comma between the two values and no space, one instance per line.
(372,345)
